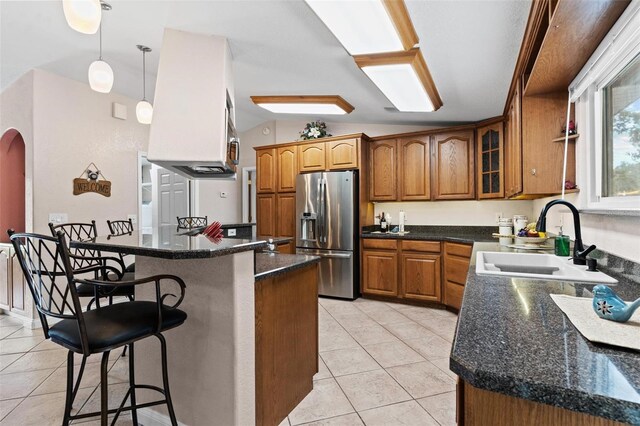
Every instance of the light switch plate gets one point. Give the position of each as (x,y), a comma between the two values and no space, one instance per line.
(134,218)
(58,218)
(231,232)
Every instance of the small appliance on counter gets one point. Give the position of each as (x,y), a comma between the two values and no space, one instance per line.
(327,220)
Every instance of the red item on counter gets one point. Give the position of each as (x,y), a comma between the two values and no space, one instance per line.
(213,232)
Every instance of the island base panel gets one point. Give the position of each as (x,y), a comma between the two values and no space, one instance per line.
(482,407)
(286,342)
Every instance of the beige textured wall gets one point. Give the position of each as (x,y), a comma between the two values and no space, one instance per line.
(73,127)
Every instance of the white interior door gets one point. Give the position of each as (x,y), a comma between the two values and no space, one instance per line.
(173,197)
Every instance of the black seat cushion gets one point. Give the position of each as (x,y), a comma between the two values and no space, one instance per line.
(115,325)
(87,290)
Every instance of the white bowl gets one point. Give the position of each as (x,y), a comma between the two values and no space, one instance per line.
(530,240)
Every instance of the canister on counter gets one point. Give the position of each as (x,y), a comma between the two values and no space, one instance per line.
(519,222)
(505,227)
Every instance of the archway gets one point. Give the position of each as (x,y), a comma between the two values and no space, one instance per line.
(12,183)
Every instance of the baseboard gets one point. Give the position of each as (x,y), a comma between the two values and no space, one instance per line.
(26,322)
(148,417)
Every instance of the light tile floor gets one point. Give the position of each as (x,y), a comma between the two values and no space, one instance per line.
(380,364)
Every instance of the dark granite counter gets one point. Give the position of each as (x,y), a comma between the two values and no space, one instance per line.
(511,338)
(165,242)
(269,265)
(456,234)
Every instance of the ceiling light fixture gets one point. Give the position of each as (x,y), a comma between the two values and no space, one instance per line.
(144,109)
(83,15)
(404,79)
(370,26)
(321,105)
(100,73)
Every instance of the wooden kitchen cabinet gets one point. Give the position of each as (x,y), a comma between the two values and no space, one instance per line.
(285,215)
(490,161)
(453,166)
(456,266)
(342,154)
(513,147)
(420,276)
(287,169)
(380,272)
(266,215)
(266,170)
(414,178)
(311,157)
(382,170)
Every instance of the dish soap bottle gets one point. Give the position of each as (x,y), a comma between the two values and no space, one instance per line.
(383,223)
(562,245)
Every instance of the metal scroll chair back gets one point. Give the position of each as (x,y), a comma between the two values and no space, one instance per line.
(47,269)
(189,222)
(120,227)
(79,232)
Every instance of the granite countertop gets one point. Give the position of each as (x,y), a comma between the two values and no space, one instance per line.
(513,339)
(272,264)
(167,243)
(458,234)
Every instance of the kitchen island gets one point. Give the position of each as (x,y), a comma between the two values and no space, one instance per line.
(239,331)
(521,361)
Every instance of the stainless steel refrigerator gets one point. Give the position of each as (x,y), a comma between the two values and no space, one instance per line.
(326,225)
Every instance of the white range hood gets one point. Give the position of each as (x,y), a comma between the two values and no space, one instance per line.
(192,131)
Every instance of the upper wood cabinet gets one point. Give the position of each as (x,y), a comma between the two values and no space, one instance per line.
(342,154)
(413,169)
(287,169)
(311,157)
(453,166)
(513,147)
(490,161)
(382,170)
(266,170)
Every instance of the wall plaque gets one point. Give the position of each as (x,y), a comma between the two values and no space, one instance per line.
(93,182)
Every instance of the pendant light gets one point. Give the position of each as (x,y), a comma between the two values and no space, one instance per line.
(83,15)
(144,109)
(100,73)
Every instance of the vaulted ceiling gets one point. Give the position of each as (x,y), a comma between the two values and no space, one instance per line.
(280,47)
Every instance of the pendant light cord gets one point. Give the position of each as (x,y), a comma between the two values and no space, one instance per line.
(100,40)
(144,75)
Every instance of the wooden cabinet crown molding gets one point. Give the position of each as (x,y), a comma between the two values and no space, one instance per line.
(360,136)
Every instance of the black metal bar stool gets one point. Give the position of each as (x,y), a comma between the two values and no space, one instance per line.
(116,229)
(46,264)
(189,222)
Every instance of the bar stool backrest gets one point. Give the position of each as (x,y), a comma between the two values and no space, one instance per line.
(120,227)
(47,269)
(78,232)
(189,222)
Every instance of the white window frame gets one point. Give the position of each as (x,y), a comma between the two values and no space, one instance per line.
(616,51)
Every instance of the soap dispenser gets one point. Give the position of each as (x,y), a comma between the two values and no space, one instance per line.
(562,244)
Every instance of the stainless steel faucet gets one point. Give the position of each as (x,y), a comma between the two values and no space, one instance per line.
(579,252)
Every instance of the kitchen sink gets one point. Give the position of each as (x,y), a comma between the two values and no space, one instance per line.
(540,266)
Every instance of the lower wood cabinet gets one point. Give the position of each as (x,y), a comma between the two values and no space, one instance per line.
(456,266)
(420,276)
(287,248)
(380,272)
(285,215)
(265,215)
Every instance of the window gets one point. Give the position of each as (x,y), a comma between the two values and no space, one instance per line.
(621,138)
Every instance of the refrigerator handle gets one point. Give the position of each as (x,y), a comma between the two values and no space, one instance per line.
(323,208)
(319,220)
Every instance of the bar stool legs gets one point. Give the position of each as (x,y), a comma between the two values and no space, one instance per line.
(132,385)
(69,397)
(104,389)
(165,379)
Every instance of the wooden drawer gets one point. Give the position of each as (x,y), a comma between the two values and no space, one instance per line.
(456,269)
(453,294)
(463,250)
(427,246)
(370,243)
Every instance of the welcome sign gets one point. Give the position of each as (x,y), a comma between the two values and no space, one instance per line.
(83,185)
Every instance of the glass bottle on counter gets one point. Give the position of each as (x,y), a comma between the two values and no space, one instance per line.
(383,223)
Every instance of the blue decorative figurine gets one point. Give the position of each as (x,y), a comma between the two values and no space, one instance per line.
(608,305)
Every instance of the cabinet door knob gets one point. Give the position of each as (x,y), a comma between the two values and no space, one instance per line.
(533,172)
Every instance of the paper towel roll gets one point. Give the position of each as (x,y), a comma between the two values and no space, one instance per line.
(401,220)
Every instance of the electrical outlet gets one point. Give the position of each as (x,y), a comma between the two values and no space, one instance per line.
(58,218)
(134,218)
(223,194)
(231,232)
(498,216)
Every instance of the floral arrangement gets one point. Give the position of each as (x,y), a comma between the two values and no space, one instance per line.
(314,130)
